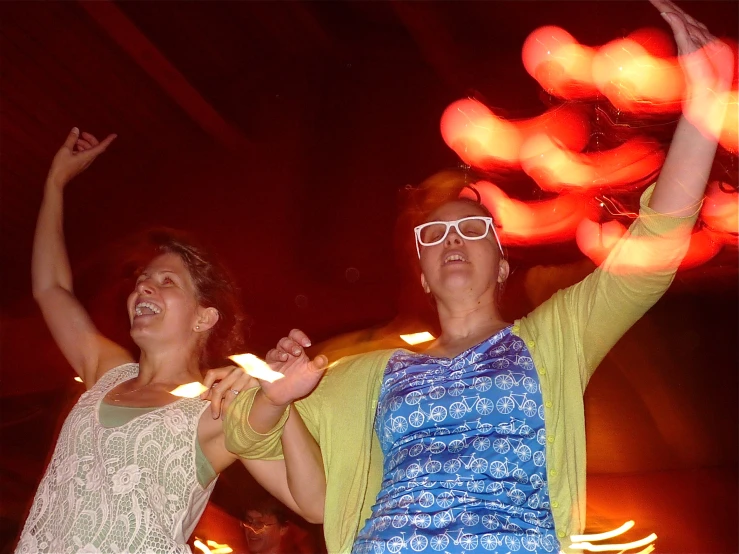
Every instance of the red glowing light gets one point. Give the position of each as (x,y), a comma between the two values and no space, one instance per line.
(636,81)
(721,208)
(558,62)
(644,254)
(556,168)
(478,136)
(545,221)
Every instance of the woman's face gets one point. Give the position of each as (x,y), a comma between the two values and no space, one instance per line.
(163,305)
(457,265)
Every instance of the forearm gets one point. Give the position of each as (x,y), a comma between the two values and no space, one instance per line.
(304,465)
(242,439)
(50,264)
(264,415)
(684,176)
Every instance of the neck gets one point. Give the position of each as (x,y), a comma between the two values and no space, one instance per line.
(176,365)
(465,322)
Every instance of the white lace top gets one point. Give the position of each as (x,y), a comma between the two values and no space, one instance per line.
(131,488)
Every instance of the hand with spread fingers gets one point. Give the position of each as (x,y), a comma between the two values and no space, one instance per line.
(301,373)
(708,65)
(224,384)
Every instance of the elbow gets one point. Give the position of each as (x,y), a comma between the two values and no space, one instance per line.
(314,516)
(39,292)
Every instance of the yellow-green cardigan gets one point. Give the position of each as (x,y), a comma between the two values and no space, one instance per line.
(568,336)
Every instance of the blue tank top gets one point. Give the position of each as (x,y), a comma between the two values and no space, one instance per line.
(464,458)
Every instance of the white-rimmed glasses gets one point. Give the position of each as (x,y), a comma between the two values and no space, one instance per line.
(475,227)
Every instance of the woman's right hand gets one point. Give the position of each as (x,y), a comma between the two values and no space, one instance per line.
(301,374)
(75,155)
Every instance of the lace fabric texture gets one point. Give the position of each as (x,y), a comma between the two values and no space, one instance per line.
(131,488)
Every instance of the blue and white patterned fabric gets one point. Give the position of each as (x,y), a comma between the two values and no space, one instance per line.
(465,466)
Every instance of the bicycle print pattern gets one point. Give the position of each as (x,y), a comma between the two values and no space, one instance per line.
(465,462)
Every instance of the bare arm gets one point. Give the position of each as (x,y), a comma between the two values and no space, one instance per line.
(708,67)
(306,478)
(88,352)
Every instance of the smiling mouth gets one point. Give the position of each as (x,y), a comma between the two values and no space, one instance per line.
(147,308)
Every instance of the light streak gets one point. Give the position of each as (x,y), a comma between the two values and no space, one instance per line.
(200,546)
(219,548)
(554,167)
(189,390)
(614,547)
(582,542)
(417,338)
(538,222)
(603,536)
(256,367)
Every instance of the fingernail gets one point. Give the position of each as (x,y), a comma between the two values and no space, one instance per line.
(664,16)
(75,130)
(296,352)
(307,344)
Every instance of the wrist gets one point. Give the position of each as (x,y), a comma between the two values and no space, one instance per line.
(271,404)
(55,183)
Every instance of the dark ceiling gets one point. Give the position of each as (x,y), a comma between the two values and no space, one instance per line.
(279,132)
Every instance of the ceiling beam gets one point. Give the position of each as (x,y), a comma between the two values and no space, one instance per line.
(125,33)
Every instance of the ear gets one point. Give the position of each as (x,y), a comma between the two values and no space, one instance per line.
(425,284)
(503,270)
(207,318)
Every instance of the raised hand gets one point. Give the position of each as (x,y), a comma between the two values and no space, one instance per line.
(301,373)
(75,155)
(224,384)
(708,64)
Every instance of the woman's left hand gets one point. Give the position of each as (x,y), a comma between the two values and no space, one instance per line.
(224,384)
(708,65)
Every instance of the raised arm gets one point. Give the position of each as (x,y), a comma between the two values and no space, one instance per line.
(88,352)
(708,66)
(598,310)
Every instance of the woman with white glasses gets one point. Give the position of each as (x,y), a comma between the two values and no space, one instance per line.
(478,443)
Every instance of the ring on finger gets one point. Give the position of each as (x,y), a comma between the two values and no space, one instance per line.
(234,391)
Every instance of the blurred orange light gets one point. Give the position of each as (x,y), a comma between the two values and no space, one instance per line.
(558,62)
(730,130)
(556,168)
(721,208)
(597,240)
(540,222)
(417,338)
(635,81)
(478,136)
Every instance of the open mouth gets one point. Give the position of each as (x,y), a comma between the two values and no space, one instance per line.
(455,258)
(147,308)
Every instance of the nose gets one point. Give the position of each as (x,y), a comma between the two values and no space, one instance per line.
(145,286)
(452,237)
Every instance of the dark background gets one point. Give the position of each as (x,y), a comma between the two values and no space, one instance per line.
(283,134)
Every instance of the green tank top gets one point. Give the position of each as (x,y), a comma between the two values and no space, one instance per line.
(115,416)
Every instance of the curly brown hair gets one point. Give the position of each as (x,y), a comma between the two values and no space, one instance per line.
(214,288)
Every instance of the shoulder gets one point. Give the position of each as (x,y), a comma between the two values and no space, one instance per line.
(116,374)
(359,365)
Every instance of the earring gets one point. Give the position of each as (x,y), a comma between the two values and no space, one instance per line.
(197,327)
